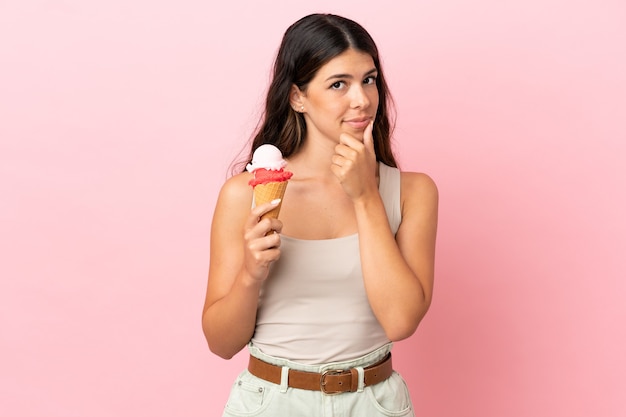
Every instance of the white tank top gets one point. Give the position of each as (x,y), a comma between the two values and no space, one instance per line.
(313,308)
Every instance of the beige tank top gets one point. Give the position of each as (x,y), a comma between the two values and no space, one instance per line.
(313,308)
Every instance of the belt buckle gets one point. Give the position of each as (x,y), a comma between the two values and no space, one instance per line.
(330,372)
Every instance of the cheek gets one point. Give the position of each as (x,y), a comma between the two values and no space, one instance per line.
(330,107)
(318,103)
(374,99)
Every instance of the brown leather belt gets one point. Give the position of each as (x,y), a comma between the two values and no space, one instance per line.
(333,381)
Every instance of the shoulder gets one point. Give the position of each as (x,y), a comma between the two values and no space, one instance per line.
(235,197)
(411,180)
(237,187)
(418,182)
(418,190)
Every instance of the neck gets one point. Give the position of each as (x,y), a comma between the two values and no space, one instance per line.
(312,160)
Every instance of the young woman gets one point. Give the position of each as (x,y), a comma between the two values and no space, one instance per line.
(350,267)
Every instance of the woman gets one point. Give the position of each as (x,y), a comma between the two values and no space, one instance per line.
(350,267)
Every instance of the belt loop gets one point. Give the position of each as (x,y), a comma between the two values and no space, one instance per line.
(361,372)
(284,379)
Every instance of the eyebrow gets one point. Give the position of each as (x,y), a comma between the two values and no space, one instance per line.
(332,77)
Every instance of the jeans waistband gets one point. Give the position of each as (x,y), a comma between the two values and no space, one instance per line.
(363,361)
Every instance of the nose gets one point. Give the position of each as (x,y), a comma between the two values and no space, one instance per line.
(359,98)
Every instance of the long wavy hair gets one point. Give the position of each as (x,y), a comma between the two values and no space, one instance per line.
(306,46)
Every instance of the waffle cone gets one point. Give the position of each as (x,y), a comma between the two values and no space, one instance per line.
(264,193)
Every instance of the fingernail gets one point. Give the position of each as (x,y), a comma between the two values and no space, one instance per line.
(275,202)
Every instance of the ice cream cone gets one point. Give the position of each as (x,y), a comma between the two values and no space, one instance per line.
(264,193)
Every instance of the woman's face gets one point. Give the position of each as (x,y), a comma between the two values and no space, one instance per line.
(342,97)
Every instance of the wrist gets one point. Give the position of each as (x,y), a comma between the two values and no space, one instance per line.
(367,200)
(249,281)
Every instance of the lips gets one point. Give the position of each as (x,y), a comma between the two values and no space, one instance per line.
(358,122)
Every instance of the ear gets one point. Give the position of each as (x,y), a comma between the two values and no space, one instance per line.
(296,97)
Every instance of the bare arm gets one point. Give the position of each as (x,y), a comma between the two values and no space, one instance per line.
(240,257)
(398,271)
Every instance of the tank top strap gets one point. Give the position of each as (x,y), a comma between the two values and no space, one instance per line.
(389,188)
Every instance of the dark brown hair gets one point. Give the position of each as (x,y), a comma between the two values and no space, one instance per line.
(307,45)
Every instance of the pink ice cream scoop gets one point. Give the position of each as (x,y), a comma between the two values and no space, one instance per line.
(270,179)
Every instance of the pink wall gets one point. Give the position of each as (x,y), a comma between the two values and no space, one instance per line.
(117,123)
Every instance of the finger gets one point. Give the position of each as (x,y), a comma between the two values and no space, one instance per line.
(258,211)
(349,140)
(349,148)
(260,258)
(270,225)
(261,209)
(276,224)
(337,160)
(368,136)
(345,152)
(262,239)
(259,244)
(272,239)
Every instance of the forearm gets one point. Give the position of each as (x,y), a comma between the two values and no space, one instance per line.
(395,293)
(228,323)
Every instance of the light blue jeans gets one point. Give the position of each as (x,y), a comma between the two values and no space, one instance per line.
(252,396)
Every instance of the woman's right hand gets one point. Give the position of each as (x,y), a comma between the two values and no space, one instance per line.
(261,247)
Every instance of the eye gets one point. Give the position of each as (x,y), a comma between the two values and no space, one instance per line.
(370,80)
(337,85)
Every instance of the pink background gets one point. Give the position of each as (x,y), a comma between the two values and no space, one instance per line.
(118,121)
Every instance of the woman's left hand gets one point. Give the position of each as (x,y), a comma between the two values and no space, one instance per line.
(354,164)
